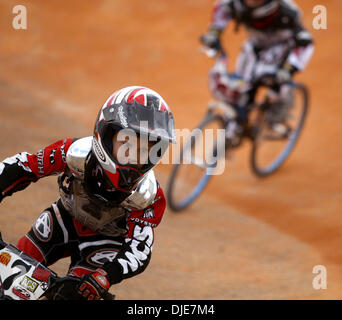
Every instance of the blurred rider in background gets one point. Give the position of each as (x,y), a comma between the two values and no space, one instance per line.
(277,47)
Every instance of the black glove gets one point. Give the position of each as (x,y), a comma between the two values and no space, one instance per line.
(94,286)
(66,290)
(211,39)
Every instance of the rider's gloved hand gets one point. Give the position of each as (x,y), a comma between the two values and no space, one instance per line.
(94,285)
(285,74)
(211,39)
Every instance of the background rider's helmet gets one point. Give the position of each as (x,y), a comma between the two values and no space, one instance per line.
(261,9)
(133,108)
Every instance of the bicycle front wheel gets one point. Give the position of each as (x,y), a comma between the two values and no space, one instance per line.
(196,164)
(272,147)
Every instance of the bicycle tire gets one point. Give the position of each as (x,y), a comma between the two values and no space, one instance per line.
(286,151)
(174,204)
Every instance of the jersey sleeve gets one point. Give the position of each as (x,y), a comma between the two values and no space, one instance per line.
(221,15)
(135,253)
(303,49)
(18,171)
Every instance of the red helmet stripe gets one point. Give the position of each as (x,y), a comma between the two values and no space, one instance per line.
(164,107)
(141,98)
(130,98)
(110,101)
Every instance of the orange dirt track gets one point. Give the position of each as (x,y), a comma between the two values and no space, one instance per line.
(244,238)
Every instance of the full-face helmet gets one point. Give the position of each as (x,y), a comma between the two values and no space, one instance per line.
(133,111)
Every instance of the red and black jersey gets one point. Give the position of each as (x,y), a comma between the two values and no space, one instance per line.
(133,248)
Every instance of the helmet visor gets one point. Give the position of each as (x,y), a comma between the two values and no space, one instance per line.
(143,120)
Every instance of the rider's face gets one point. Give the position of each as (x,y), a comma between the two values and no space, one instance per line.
(128,148)
(254,3)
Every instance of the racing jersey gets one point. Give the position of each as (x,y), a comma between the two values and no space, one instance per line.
(273,23)
(137,222)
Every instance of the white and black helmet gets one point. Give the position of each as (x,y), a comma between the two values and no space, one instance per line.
(141,110)
(265,9)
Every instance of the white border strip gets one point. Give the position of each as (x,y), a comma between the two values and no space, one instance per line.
(60,221)
(98,243)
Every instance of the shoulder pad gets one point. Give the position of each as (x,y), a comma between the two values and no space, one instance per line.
(144,194)
(77,154)
(290,9)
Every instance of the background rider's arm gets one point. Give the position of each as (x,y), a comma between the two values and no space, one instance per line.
(300,56)
(18,171)
(136,251)
(223,12)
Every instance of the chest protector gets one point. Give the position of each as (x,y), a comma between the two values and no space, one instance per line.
(93,213)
